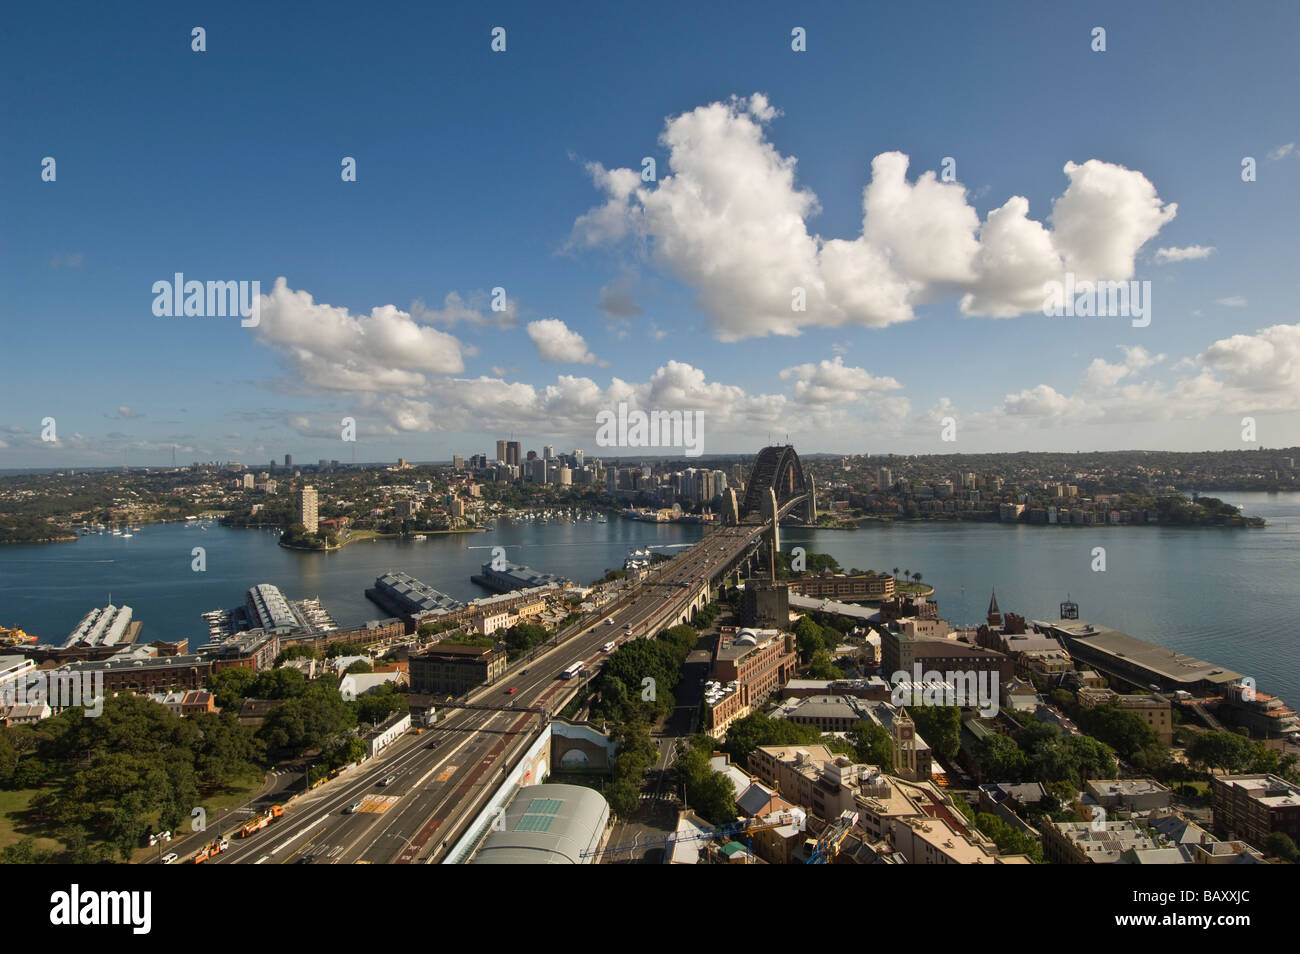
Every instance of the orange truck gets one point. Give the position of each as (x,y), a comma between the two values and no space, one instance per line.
(211,850)
(261,821)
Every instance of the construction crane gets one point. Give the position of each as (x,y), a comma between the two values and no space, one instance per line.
(741,828)
(828,845)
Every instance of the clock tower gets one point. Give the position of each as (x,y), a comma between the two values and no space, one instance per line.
(904,745)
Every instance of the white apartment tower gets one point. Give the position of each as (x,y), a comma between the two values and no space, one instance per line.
(307,514)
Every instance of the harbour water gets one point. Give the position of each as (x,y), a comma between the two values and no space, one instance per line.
(49,587)
(1229,596)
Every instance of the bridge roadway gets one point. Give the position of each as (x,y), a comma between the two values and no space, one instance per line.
(445,775)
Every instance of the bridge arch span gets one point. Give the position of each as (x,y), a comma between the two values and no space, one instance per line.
(778,468)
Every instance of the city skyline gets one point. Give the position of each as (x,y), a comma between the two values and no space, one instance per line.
(525,275)
(739,433)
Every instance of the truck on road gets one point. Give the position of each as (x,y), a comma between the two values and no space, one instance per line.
(255,825)
(211,850)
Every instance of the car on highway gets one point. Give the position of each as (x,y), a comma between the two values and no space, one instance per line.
(352,809)
(388,781)
(170,858)
(609,621)
(512,690)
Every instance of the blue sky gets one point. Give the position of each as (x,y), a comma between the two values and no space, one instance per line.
(475,169)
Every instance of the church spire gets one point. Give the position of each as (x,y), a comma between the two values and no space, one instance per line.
(995,614)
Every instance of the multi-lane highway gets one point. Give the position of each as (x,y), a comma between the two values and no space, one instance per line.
(441,778)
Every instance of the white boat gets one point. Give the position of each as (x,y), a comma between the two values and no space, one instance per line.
(419,536)
(127,536)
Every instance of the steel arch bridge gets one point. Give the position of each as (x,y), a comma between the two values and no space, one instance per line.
(778,468)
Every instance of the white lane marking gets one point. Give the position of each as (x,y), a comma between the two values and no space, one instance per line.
(294,838)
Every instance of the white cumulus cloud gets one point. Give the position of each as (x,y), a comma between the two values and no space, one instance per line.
(1190,253)
(332,349)
(830,382)
(555,341)
(730,220)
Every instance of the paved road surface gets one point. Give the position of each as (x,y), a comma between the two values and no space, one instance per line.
(438,790)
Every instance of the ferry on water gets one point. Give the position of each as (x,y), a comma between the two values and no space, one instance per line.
(15,637)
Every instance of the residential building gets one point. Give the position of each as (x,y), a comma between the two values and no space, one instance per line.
(933,841)
(901,652)
(760,660)
(490,621)
(841,586)
(1252,807)
(307,509)
(452,670)
(1092,842)
(129,673)
(817,779)
(1153,709)
(827,712)
(723,705)
(1129,794)
(25,713)
(186,703)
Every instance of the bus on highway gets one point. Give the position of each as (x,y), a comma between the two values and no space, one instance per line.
(572,670)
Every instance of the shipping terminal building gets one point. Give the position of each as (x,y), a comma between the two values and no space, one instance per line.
(403,595)
(508,577)
(1136,661)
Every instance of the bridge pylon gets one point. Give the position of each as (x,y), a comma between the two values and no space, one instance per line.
(771,515)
